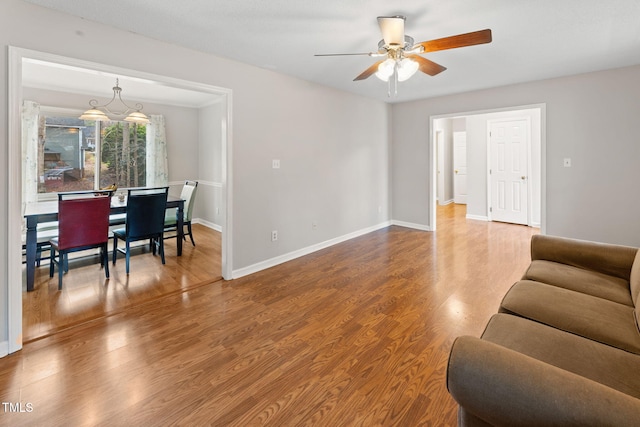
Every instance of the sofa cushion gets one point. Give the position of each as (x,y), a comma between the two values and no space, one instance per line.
(591,317)
(580,280)
(604,364)
(615,260)
(502,387)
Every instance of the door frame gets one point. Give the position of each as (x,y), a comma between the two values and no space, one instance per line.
(14,217)
(439,135)
(543,155)
(529,165)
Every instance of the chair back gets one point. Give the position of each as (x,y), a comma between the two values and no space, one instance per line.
(145,212)
(83,219)
(188,194)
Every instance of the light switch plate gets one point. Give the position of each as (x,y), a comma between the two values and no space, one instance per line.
(567,162)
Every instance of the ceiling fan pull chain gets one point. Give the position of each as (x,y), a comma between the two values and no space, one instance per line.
(395,80)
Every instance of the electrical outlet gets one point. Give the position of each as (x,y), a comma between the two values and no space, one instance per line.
(275,163)
(274,235)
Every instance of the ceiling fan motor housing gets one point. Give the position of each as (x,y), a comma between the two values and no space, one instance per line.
(383,48)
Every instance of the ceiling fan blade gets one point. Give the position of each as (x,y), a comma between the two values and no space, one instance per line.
(392,29)
(461,40)
(369,71)
(427,66)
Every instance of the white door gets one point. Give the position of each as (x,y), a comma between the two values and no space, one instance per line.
(509,171)
(460,167)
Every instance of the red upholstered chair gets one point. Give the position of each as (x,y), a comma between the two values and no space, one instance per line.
(83,223)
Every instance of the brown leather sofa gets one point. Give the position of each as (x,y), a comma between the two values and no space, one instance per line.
(564,348)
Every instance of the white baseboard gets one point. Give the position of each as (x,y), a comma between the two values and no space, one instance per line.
(411,225)
(446,202)
(263,265)
(207,224)
(478,217)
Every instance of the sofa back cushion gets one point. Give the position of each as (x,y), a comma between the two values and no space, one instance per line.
(614,260)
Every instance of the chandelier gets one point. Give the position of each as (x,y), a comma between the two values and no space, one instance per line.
(99,112)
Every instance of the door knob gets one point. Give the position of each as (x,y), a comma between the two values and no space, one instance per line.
(456,171)
(523,177)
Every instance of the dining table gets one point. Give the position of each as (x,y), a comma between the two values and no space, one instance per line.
(47,211)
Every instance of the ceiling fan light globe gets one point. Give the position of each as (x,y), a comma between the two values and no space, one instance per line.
(406,69)
(385,70)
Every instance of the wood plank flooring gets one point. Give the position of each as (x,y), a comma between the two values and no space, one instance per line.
(87,294)
(354,335)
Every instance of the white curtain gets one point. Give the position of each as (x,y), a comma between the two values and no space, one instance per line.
(157,165)
(30,141)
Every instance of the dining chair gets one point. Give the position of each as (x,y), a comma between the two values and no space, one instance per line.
(46,231)
(83,223)
(144,220)
(188,194)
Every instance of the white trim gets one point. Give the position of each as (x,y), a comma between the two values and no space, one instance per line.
(263,265)
(478,217)
(446,202)
(4,348)
(207,224)
(210,184)
(200,182)
(227,188)
(14,263)
(411,225)
(14,208)
(433,177)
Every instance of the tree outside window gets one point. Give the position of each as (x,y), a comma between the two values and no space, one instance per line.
(81,155)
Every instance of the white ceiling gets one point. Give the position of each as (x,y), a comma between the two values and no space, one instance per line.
(87,81)
(532,39)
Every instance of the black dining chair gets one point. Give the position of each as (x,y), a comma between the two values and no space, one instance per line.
(188,194)
(144,220)
(83,223)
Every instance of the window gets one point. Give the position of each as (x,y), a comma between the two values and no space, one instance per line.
(84,155)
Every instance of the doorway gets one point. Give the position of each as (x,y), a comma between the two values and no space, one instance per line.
(509,171)
(16,58)
(475,125)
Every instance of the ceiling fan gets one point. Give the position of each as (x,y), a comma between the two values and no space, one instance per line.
(402,56)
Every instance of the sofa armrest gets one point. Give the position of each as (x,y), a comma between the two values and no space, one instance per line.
(505,388)
(614,260)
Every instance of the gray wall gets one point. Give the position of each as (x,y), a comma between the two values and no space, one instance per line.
(332,145)
(590,118)
(208,203)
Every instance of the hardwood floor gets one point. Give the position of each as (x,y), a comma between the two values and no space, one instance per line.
(354,335)
(87,295)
